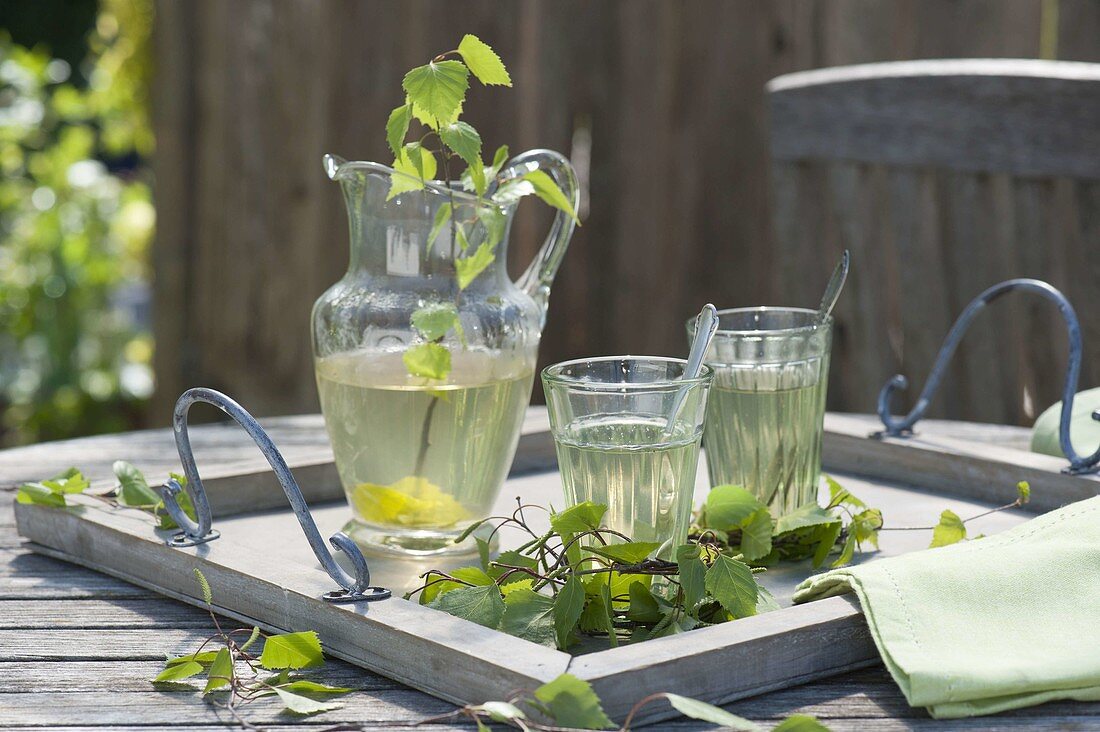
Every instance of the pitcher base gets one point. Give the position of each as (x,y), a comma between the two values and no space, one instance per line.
(402,542)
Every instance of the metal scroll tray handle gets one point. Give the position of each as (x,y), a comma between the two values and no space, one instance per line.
(352,589)
(903,426)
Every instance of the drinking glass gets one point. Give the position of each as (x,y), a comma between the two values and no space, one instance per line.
(627,432)
(767,407)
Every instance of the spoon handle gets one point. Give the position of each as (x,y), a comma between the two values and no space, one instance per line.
(706,325)
(832,290)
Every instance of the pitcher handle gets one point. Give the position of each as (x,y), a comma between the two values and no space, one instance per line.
(539,275)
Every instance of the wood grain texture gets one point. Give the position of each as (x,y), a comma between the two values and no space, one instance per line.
(449,658)
(92,680)
(256,584)
(216,447)
(741,659)
(17,614)
(1019,116)
(67,583)
(227,456)
(402,640)
(57,675)
(943,178)
(951,464)
(663,104)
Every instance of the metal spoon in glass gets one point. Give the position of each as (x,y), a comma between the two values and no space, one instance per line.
(706,325)
(832,290)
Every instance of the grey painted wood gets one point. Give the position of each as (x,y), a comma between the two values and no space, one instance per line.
(903,507)
(134,674)
(95,678)
(226,456)
(402,640)
(1020,116)
(106,708)
(16,614)
(71,583)
(216,446)
(46,643)
(943,177)
(771,651)
(949,464)
(863,700)
(407,642)
(277,587)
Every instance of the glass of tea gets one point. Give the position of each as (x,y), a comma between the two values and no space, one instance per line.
(627,431)
(767,405)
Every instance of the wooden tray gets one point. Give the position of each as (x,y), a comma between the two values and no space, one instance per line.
(972,460)
(263,572)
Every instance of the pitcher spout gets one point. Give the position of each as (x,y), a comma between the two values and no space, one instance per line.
(340,169)
(333,164)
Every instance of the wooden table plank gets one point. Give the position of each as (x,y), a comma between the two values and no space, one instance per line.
(96,614)
(72,584)
(130,675)
(841,704)
(399,707)
(149,644)
(997,724)
(153,451)
(81,659)
(294,726)
(224,451)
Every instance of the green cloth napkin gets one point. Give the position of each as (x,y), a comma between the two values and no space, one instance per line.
(997,623)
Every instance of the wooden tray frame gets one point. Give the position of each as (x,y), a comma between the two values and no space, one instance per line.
(946,457)
(465,663)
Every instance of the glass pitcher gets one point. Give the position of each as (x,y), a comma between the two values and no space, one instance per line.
(422,447)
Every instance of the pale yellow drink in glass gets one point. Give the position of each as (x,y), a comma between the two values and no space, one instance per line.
(645,477)
(627,431)
(766,439)
(766,410)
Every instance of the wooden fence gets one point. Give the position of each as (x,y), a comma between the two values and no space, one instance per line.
(661,105)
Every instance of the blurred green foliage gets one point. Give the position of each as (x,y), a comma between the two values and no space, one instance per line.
(76,221)
(60,24)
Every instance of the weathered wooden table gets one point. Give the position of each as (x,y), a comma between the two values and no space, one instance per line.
(77,648)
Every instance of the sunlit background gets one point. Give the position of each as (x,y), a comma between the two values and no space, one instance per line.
(76,218)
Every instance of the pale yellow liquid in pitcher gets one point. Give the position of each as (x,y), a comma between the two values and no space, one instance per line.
(420,459)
